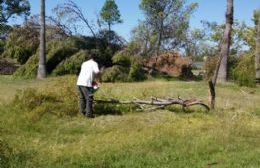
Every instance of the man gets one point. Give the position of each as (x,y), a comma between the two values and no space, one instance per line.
(89,69)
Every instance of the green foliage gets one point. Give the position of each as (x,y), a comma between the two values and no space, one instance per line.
(2,47)
(36,103)
(22,43)
(127,67)
(115,73)
(165,138)
(57,51)
(160,14)
(232,62)
(242,35)
(10,8)
(110,13)
(211,63)
(5,154)
(136,72)
(210,66)
(143,39)
(29,69)
(244,72)
(122,58)
(256,17)
(72,64)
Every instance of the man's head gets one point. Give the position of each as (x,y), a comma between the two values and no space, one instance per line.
(93,55)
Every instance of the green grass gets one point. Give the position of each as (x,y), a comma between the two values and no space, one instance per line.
(227,137)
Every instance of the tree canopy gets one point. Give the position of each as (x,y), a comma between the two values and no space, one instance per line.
(169,20)
(10,8)
(110,13)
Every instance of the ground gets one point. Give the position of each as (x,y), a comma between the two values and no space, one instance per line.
(226,137)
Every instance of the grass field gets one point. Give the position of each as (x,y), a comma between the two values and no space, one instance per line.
(227,137)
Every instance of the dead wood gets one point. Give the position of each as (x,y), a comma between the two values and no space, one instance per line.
(212,94)
(158,103)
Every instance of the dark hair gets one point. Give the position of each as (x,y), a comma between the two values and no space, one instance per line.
(93,55)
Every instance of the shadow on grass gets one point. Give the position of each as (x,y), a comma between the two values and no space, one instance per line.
(173,78)
(113,109)
(121,109)
(180,110)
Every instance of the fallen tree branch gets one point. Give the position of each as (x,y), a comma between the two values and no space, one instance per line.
(158,102)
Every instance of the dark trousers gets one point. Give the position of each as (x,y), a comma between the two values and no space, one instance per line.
(86,100)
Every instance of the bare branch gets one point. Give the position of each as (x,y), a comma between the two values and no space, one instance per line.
(158,103)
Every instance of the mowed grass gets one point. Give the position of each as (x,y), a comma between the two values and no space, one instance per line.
(226,137)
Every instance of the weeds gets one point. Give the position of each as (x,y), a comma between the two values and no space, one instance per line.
(37,130)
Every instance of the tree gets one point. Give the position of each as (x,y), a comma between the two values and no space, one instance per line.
(257,54)
(74,13)
(22,42)
(194,43)
(221,70)
(144,39)
(9,8)
(169,20)
(42,55)
(224,52)
(110,13)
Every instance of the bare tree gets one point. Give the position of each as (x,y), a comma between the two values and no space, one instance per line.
(42,55)
(257,54)
(72,10)
(221,70)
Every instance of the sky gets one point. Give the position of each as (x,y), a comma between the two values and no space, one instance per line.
(210,10)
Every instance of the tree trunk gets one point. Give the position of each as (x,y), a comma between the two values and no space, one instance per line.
(109,33)
(257,54)
(221,70)
(160,32)
(42,57)
(159,43)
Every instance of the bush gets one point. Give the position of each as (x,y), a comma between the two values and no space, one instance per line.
(22,43)
(28,70)
(211,63)
(136,72)
(36,103)
(244,72)
(127,67)
(231,64)
(72,64)
(115,74)
(57,51)
(5,154)
(210,66)
(122,58)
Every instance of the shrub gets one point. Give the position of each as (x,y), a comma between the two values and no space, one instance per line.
(127,68)
(57,51)
(28,70)
(115,74)
(211,63)
(122,58)
(5,154)
(244,72)
(21,43)
(36,103)
(231,64)
(136,72)
(72,64)
(210,66)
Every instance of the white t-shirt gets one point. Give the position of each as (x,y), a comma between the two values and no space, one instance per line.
(87,72)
